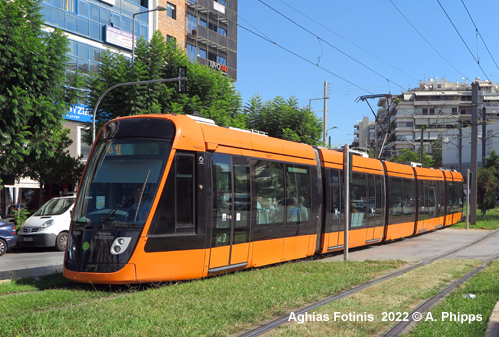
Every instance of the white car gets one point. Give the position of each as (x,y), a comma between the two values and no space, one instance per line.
(49,226)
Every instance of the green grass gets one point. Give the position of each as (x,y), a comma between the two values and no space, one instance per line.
(491,221)
(400,294)
(486,289)
(217,306)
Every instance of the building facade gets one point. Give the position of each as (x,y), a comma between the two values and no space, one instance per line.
(205,29)
(437,108)
(211,34)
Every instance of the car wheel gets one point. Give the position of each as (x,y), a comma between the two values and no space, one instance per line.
(61,241)
(3,247)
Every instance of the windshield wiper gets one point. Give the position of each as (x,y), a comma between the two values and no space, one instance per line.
(124,204)
(141,195)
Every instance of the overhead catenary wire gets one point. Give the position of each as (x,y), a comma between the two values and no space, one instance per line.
(350,42)
(481,37)
(462,39)
(427,42)
(303,58)
(329,44)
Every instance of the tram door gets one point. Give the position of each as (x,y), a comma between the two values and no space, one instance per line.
(231,212)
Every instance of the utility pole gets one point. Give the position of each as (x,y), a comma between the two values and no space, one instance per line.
(325,112)
(484,134)
(421,148)
(460,142)
(474,148)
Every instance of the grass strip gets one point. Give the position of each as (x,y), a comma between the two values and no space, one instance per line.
(458,315)
(30,284)
(217,306)
(491,220)
(362,314)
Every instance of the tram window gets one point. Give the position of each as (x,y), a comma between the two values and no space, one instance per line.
(423,200)
(298,201)
(455,200)
(401,200)
(378,201)
(175,211)
(269,186)
(336,196)
(358,200)
(185,190)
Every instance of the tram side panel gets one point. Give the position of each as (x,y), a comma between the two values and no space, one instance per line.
(367,204)
(401,201)
(454,197)
(430,212)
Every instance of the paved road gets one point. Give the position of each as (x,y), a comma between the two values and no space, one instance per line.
(30,262)
(429,245)
(40,262)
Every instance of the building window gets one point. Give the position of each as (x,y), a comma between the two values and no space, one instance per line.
(454,111)
(425,111)
(203,53)
(222,31)
(212,57)
(222,2)
(70,6)
(191,52)
(171,39)
(203,23)
(171,10)
(192,23)
(222,60)
(432,111)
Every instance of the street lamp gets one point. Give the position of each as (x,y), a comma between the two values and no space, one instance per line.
(334,127)
(158,8)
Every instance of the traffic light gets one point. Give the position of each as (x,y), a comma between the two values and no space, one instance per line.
(182,84)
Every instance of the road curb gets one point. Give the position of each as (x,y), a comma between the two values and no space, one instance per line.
(30,272)
(493,323)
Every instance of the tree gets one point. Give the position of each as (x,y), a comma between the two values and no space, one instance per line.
(33,99)
(406,155)
(436,152)
(209,92)
(486,189)
(492,162)
(283,119)
(61,167)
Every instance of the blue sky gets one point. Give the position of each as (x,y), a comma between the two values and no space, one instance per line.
(363,47)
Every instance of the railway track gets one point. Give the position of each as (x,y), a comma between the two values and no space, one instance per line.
(397,329)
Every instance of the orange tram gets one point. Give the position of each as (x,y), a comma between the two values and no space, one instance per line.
(175,197)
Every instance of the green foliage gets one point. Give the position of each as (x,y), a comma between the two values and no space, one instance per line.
(208,91)
(283,119)
(20,216)
(486,189)
(492,162)
(407,155)
(33,99)
(436,152)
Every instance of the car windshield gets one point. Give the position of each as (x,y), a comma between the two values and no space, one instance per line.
(55,207)
(120,182)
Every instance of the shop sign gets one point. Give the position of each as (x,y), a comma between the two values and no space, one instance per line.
(219,67)
(219,7)
(118,37)
(79,113)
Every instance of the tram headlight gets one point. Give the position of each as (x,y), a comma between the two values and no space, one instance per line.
(120,245)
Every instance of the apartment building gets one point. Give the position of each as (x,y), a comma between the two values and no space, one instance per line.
(436,108)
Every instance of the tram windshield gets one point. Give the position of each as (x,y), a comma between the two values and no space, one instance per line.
(120,183)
